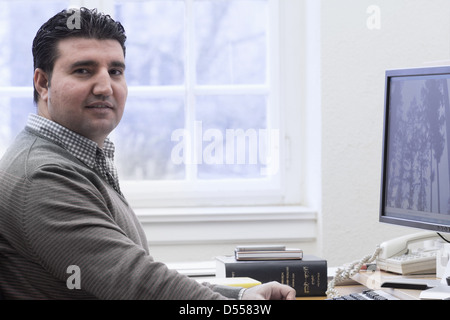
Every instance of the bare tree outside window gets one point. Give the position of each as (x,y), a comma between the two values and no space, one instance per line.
(226,48)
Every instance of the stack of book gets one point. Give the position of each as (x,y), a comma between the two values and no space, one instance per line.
(307,274)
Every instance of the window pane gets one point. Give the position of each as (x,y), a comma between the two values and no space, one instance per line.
(19,22)
(155,41)
(231,40)
(143,139)
(232,130)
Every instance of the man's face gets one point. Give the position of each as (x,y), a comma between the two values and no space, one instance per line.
(87,91)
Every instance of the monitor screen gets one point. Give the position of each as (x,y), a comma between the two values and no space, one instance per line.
(415,182)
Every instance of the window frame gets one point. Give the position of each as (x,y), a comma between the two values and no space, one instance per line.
(287,211)
(193,192)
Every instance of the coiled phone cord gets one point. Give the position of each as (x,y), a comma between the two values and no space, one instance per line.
(348,271)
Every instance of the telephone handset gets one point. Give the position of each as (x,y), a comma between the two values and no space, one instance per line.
(410,254)
(399,246)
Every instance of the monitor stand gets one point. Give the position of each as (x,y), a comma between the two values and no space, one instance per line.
(446,277)
(441,292)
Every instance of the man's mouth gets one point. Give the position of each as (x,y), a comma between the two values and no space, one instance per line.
(99,105)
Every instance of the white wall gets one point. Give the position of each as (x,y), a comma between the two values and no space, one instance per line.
(353,61)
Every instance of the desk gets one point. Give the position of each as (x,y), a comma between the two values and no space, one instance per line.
(362,281)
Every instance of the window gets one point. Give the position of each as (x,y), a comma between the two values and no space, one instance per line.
(202,111)
(19,22)
(203,121)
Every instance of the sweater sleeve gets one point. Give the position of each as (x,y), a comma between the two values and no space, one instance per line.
(67,221)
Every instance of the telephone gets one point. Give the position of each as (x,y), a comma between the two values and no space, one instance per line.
(411,254)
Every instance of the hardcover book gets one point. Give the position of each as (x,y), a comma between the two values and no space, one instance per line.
(307,276)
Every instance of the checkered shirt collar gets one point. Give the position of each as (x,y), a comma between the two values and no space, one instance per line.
(80,147)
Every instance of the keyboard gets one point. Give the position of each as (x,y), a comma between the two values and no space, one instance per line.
(368,295)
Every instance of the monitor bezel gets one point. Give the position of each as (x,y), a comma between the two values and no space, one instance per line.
(397,73)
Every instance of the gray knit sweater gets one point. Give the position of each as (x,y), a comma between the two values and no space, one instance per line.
(55,213)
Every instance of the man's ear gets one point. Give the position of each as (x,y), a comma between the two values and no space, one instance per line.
(41,83)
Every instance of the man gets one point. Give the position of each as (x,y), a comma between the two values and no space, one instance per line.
(66,231)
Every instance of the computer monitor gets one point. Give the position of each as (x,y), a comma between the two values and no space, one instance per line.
(415,182)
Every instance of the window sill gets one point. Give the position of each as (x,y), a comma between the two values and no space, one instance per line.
(208,225)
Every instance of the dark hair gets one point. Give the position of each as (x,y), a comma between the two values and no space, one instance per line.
(81,23)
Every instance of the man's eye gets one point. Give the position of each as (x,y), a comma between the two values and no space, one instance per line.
(116,72)
(81,71)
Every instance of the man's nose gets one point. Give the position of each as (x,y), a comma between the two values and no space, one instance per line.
(102,85)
